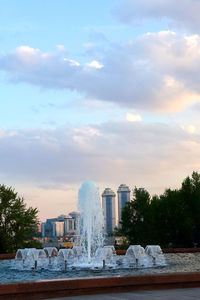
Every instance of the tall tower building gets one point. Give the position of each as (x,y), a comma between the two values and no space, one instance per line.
(108,204)
(123,197)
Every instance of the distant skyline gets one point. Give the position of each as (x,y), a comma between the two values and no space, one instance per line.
(103,90)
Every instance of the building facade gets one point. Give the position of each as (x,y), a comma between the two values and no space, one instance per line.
(58,229)
(76,217)
(123,193)
(108,205)
(62,226)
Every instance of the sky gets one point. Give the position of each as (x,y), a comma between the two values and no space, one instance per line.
(97,90)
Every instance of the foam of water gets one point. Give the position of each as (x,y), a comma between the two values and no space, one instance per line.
(77,258)
(91,218)
(137,256)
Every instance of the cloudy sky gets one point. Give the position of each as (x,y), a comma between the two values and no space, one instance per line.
(104,90)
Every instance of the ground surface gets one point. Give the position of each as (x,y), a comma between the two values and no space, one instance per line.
(182,294)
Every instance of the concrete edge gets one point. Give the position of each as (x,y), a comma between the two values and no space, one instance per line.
(168,250)
(85,286)
(7,256)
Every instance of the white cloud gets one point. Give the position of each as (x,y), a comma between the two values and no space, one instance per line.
(2,133)
(94,64)
(133,118)
(28,56)
(191,128)
(154,72)
(155,156)
(60,47)
(72,62)
(182,14)
(171,82)
(107,153)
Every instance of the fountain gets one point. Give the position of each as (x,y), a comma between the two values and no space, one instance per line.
(136,255)
(156,253)
(77,258)
(30,258)
(90,253)
(66,256)
(107,256)
(92,221)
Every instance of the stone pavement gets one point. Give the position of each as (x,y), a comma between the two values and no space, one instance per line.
(171,294)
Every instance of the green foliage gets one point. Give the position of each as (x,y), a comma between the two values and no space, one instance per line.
(33,244)
(170,223)
(17,223)
(117,232)
(172,218)
(135,217)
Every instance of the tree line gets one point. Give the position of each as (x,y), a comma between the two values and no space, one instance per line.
(18,224)
(169,220)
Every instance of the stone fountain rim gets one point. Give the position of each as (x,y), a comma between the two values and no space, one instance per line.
(52,288)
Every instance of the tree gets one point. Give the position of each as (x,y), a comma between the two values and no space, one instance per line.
(190,195)
(17,223)
(170,222)
(172,218)
(135,217)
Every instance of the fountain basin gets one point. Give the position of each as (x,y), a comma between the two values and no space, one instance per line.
(77,282)
(176,263)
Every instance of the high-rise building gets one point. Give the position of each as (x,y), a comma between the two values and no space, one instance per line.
(68,224)
(49,228)
(61,226)
(108,204)
(123,193)
(58,229)
(43,229)
(76,216)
